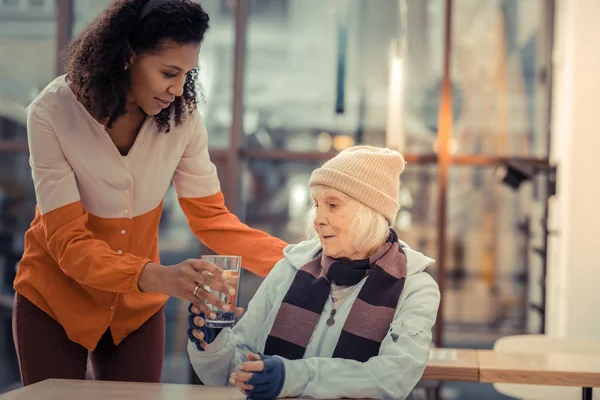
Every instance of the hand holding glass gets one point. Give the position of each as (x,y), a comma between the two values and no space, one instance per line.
(231,267)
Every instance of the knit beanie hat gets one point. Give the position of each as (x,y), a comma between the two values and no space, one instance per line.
(370,175)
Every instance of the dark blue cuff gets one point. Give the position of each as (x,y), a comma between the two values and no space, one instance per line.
(268,383)
(209,333)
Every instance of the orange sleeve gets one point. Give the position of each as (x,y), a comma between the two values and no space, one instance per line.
(199,192)
(223,232)
(86,259)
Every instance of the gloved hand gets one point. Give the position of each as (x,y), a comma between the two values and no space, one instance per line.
(199,334)
(261,377)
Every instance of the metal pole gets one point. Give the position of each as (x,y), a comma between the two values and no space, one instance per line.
(64,31)
(549,14)
(444,159)
(232,182)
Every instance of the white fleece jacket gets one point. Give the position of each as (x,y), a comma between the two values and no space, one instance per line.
(390,375)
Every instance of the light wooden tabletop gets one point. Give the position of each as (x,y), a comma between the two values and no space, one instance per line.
(59,389)
(444,364)
(539,369)
(452,365)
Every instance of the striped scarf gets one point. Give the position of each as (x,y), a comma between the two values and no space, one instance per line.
(370,316)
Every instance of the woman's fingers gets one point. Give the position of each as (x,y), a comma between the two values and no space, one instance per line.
(210,298)
(195,310)
(203,265)
(242,376)
(240,381)
(212,276)
(200,306)
(199,303)
(253,366)
(199,275)
(202,295)
(200,336)
(253,356)
(242,386)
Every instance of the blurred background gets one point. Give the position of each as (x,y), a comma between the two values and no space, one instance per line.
(463,88)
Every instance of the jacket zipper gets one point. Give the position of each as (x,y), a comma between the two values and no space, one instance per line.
(327,325)
(331,316)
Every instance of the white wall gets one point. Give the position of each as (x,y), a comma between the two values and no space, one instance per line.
(574,264)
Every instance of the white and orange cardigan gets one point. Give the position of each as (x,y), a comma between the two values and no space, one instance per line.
(97,215)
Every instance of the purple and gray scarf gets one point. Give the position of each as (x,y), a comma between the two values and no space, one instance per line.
(370,317)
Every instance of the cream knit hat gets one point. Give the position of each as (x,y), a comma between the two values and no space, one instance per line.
(368,174)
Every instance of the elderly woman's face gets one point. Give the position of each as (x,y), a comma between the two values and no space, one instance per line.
(332,223)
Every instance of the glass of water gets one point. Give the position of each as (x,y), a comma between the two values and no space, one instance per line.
(231,266)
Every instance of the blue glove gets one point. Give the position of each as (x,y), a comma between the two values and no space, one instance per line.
(209,333)
(267,383)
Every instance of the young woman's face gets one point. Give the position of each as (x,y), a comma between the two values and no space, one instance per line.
(157,78)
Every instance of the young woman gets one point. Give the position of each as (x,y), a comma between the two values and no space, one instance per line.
(106,142)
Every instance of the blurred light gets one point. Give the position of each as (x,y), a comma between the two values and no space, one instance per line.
(324,142)
(275,121)
(453,146)
(405,198)
(250,122)
(223,116)
(342,142)
(394,135)
(404,220)
(263,138)
(299,194)
(298,200)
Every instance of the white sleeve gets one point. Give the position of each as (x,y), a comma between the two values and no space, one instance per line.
(196,175)
(390,375)
(214,365)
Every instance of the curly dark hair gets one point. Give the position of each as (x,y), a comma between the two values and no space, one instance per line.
(96,58)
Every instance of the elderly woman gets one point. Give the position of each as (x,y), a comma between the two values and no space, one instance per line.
(346,314)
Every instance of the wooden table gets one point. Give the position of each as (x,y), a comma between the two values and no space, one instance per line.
(541,369)
(443,365)
(452,365)
(59,389)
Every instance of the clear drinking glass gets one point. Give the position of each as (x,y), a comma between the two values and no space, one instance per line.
(231,266)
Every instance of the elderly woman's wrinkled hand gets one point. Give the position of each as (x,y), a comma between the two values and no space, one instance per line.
(259,378)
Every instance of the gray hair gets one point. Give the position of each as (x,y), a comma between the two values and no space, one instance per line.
(371,228)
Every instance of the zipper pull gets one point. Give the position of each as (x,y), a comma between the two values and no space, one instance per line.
(331,321)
